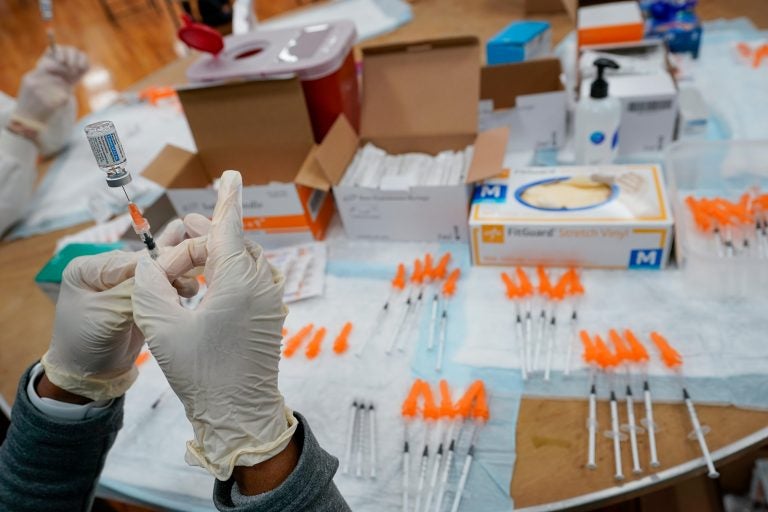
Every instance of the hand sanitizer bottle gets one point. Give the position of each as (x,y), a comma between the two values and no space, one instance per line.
(596,136)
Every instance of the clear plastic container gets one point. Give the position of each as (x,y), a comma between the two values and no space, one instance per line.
(725,169)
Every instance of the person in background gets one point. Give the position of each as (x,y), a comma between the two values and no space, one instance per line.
(221,360)
(39,122)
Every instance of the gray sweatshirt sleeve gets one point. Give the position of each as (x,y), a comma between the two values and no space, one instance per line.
(309,487)
(49,464)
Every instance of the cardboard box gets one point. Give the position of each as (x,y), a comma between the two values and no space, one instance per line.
(615,22)
(648,110)
(262,129)
(519,41)
(630,228)
(417,97)
(527,97)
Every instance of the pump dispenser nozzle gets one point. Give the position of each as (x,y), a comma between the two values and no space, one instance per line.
(599,87)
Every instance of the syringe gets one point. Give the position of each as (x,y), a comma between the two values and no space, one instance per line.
(46,13)
(110,157)
(141,227)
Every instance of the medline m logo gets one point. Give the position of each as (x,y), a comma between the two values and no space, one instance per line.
(492,193)
(645,258)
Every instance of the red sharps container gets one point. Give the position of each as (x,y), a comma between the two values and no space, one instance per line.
(320,55)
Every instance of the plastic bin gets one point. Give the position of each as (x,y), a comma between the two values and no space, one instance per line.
(724,169)
(320,55)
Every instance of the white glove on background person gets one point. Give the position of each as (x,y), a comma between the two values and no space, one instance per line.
(49,86)
(221,359)
(95,341)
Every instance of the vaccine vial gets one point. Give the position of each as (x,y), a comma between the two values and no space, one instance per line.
(108,152)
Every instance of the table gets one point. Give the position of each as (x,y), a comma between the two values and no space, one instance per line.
(551,434)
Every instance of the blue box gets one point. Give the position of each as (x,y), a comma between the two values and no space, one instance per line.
(519,41)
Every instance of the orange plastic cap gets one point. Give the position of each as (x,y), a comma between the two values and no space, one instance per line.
(295,341)
(341,344)
(545,287)
(429,268)
(525,284)
(446,404)
(313,348)
(399,279)
(639,354)
(418,272)
(512,291)
(442,266)
(623,353)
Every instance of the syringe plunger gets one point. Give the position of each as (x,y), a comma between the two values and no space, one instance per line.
(108,152)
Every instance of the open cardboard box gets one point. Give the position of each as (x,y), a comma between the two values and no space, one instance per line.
(529,98)
(417,97)
(260,128)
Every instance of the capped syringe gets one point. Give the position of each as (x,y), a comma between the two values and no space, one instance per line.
(46,13)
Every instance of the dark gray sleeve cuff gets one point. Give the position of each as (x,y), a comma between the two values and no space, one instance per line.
(51,464)
(309,487)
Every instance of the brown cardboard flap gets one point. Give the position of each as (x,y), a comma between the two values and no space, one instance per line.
(504,83)
(174,167)
(488,158)
(423,88)
(337,150)
(260,128)
(311,173)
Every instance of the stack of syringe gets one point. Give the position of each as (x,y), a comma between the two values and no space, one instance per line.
(532,339)
(735,228)
(448,420)
(360,453)
(373,167)
(412,291)
(630,353)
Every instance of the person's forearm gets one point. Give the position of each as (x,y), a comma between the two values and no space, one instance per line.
(309,486)
(267,476)
(18,157)
(49,464)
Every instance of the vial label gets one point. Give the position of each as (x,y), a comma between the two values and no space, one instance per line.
(107,150)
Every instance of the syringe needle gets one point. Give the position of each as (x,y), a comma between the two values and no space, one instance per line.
(126,194)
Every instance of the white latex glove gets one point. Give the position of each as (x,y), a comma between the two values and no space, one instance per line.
(221,358)
(95,341)
(48,87)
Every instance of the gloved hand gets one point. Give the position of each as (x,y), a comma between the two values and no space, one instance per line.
(221,358)
(49,85)
(95,341)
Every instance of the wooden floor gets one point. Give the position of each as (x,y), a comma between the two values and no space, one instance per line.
(143,38)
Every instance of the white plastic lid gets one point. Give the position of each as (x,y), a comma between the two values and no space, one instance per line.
(310,52)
